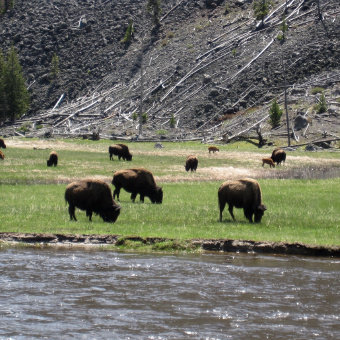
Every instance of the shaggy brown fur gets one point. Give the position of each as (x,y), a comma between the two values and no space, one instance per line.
(278,156)
(268,161)
(2,156)
(191,163)
(2,143)
(93,196)
(53,160)
(137,181)
(243,193)
(213,149)
(120,150)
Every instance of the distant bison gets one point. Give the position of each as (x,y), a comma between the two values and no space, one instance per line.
(120,150)
(213,149)
(278,156)
(242,193)
(2,143)
(268,161)
(2,156)
(137,181)
(191,163)
(93,196)
(53,160)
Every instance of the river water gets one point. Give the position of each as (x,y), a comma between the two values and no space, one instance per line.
(71,293)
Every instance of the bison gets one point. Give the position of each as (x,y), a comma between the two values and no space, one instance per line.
(191,163)
(137,181)
(2,156)
(268,161)
(53,160)
(120,150)
(278,156)
(242,193)
(213,149)
(92,196)
(2,143)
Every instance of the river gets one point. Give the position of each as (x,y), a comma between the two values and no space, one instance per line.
(86,293)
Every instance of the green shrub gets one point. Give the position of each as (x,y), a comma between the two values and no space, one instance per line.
(161,132)
(317,90)
(144,118)
(322,106)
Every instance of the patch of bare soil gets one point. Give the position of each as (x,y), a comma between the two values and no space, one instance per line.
(223,245)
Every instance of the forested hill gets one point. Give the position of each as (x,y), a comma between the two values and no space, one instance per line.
(206,59)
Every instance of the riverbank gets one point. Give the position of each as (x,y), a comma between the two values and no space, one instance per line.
(221,245)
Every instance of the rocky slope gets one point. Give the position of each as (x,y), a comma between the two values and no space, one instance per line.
(209,61)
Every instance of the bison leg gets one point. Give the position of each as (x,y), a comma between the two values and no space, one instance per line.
(116,192)
(248,213)
(133,196)
(141,198)
(231,207)
(221,210)
(89,214)
(71,210)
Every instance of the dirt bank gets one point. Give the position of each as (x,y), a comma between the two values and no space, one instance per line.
(221,245)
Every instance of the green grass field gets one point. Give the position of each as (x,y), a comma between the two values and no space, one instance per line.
(32,196)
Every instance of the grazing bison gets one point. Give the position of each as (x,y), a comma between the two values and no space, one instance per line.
(268,161)
(93,196)
(2,143)
(191,163)
(137,181)
(120,150)
(278,156)
(242,193)
(2,156)
(53,160)
(213,149)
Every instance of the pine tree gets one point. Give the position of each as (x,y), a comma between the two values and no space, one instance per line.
(154,8)
(2,89)
(54,66)
(261,9)
(16,95)
(275,114)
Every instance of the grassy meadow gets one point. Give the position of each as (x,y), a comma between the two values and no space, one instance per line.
(299,210)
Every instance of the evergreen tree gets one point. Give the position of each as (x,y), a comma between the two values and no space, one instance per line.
(2,89)
(154,8)
(275,114)
(261,9)
(283,28)
(16,95)
(54,66)
(5,5)
(322,106)
(129,32)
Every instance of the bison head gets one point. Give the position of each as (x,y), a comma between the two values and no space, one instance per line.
(49,162)
(129,157)
(110,214)
(158,196)
(259,211)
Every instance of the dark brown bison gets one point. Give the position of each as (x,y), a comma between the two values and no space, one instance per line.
(191,163)
(53,160)
(120,150)
(213,149)
(93,196)
(2,143)
(137,181)
(242,193)
(278,156)
(2,156)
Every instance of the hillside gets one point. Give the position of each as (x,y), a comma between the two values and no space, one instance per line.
(210,65)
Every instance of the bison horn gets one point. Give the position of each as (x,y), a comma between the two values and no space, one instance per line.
(262,207)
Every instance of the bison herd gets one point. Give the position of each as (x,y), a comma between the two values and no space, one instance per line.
(95,196)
